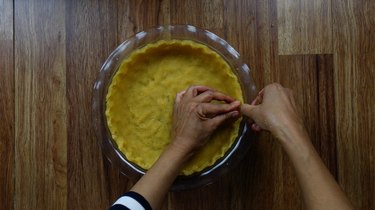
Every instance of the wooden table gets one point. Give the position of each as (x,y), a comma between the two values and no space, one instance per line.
(51,52)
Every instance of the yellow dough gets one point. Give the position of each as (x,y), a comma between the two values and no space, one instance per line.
(142,92)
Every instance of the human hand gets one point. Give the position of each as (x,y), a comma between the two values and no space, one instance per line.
(195,118)
(274,109)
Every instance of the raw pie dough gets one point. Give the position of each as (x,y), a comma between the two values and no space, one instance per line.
(142,92)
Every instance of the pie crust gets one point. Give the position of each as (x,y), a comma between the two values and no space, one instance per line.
(140,98)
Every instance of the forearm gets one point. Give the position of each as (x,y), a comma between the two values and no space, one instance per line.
(319,188)
(155,184)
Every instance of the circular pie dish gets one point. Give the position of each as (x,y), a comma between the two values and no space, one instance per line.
(177,32)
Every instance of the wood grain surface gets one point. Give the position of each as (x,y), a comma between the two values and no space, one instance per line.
(305,26)
(40,105)
(6,105)
(51,52)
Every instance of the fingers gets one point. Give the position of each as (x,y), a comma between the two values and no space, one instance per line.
(219,119)
(249,110)
(193,91)
(257,100)
(178,99)
(216,109)
(210,95)
(203,94)
(179,96)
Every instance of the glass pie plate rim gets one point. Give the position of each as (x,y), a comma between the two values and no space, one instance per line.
(183,32)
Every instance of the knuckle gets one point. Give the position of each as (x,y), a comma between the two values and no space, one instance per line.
(190,88)
(192,106)
(210,94)
(180,94)
(278,84)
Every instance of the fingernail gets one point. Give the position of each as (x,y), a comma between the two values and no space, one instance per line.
(236,103)
(234,114)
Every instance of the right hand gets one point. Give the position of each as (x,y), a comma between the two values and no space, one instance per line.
(274,109)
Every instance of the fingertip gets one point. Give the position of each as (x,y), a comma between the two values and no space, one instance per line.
(235,114)
(235,104)
(219,119)
(230,99)
(227,99)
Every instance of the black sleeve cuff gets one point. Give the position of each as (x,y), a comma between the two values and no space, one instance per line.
(139,198)
(118,207)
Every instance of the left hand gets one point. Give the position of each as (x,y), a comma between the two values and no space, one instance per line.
(195,118)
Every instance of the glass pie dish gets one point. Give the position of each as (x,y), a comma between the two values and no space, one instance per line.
(141,39)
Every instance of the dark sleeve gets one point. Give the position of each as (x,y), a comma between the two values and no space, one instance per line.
(118,207)
(131,201)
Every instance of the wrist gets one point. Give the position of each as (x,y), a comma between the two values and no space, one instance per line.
(291,133)
(180,149)
(296,142)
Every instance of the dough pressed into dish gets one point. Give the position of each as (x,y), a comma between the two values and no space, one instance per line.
(141,95)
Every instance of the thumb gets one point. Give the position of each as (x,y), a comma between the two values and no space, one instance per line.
(216,121)
(249,110)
